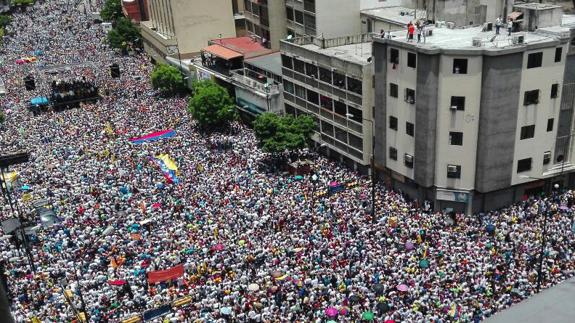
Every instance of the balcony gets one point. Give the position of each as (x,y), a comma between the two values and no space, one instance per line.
(248,82)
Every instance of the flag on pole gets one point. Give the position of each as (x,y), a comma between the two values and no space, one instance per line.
(168,167)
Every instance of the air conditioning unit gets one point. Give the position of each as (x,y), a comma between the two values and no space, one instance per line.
(428,32)
(451,169)
(488,26)
(477,42)
(451,25)
(453,108)
(408,158)
(518,39)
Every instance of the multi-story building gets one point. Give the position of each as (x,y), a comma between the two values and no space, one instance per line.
(472,120)
(332,81)
(323,18)
(136,10)
(266,20)
(180,29)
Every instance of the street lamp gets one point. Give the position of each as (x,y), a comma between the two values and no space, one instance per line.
(372,162)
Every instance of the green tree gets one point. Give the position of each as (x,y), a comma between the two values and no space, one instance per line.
(123,34)
(5,20)
(112,10)
(22,2)
(277,134)
(167,78)
(211,105)
(2,117)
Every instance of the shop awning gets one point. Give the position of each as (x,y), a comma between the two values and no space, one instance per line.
(222,52)
(515,14)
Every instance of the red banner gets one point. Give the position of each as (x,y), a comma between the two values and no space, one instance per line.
(163,275)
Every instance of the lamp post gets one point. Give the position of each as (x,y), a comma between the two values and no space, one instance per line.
(372,164)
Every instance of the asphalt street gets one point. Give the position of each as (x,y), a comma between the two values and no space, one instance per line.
(556,305)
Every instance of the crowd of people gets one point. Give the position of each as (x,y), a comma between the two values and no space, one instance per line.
(256,246)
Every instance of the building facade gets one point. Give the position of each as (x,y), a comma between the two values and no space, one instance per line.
(332,81)
(266,20)
(475,122)
(322,18)
(178,28)
(136,10)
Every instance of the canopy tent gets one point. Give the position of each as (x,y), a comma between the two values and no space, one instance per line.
(40,100)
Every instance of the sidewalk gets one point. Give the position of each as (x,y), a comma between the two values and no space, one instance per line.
(552,305)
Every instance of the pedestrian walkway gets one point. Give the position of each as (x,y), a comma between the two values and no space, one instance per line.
(552,305)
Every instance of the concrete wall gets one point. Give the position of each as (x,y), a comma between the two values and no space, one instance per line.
(461,12)
(335,18)
(540,78)
(370,4)
(204,20)
(499,99)
(426,118)
(277,22)
(380,103)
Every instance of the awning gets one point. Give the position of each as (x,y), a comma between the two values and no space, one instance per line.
(514,15)
(222,52)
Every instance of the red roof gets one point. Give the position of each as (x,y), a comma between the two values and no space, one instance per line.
(245,45)
(222,52)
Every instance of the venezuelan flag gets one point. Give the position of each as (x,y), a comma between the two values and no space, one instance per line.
(168,167)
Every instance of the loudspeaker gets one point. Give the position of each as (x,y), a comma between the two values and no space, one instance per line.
(29,83)
(115,70)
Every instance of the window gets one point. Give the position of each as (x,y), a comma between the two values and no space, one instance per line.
(338,80)
(408,160)
(355,141)
(453,171)
(459,66)
(531,97)
(309,5)
(288,87)
(289,13)
(327,128)
(409,129)
(523,165)
(326,103)
(546,157)
(527,132)
(393,90)
(311,70)
(325,75)
(392,123)
(411,60)
(392,153)
(393,56)
(458,103)
(356,114)
(290,110)
(340,108)
(534,60)
(410,96)
(255,9)
(248,5)
(313,97)
(354,85)
(298,17)
(550,124)
(554,90)
(456,138)
(298,66)
(558,54)
(287,62)
(300,91)
(340,134)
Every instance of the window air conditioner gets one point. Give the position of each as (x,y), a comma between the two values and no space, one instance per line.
(451,169)
(477,42)
(408,158)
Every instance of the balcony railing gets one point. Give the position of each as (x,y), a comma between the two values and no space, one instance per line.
(271,89)
(332,42)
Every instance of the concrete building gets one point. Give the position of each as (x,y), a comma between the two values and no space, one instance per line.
(250,72)
(332,81)
(266,20)
(389,18)
(472,120)
(323,18)
(179,28)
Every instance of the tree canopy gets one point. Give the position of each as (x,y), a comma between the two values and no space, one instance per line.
(23,2)
(211,105)
(123,34)
(112,10)
(277,134)
(167,79)
(5,20)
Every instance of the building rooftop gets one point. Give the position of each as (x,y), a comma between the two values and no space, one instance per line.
(395,15)
(270,62)
(568,21)
(354,53)
(463,38)
(536,6)
(247,46)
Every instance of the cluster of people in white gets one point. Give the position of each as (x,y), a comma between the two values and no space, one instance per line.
(256,246)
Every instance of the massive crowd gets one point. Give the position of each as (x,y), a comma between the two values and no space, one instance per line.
(256,246)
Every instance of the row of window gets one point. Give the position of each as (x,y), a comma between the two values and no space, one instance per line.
(453,171)
(455,137)
(326,103)
(459,64)
(532,97)
(323,74)
(409,94)
(528,132)
(535,60)
(524,165)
